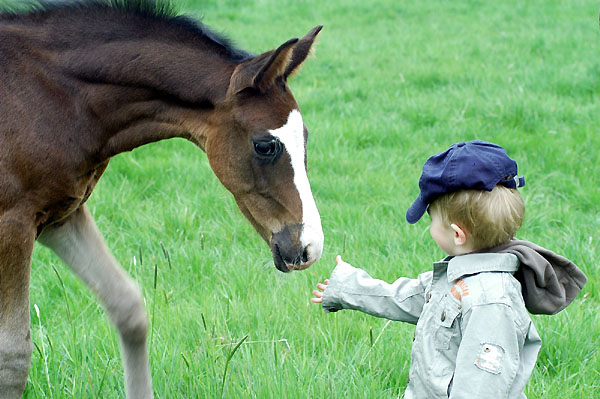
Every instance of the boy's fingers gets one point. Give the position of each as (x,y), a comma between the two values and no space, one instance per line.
(326,282)
(318,294)
(321,286)
(316,300)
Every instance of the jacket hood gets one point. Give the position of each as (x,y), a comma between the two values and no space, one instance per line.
(549,282)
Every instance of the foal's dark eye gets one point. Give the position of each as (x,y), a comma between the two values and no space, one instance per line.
(267,147)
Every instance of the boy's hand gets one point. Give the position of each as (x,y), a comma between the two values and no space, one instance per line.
(323,286)
(318,294)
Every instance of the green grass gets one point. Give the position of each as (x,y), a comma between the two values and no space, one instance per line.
(391,83)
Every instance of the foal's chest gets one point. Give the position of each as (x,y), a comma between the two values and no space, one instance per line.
(69,198)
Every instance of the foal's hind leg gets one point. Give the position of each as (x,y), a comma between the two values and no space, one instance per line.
(79,243)
(17,236)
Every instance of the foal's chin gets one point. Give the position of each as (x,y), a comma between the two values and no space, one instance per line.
(300,267)
(288,267)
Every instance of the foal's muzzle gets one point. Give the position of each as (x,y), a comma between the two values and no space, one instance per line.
(293,248)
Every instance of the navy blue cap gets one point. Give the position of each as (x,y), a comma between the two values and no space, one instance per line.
(475,165)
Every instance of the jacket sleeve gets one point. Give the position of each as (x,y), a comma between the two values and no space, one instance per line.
(353,288)
(488,358)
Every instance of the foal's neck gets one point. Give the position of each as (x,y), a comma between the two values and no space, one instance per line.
(142,92)
(142,78)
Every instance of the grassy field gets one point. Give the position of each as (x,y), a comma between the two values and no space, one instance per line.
(391,83)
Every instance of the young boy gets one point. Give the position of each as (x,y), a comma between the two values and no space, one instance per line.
(474,337)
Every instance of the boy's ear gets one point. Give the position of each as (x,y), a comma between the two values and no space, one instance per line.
(460,235)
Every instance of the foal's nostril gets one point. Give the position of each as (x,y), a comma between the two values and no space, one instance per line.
(305,255)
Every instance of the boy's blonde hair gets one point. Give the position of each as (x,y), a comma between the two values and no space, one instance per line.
(491,217)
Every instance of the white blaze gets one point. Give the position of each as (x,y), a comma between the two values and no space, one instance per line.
(292,136)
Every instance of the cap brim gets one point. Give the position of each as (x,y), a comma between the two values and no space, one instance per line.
(416,211)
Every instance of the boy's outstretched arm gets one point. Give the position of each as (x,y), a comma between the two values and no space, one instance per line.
(352,288)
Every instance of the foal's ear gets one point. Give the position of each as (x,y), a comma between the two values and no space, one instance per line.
(260,72)
(302,50)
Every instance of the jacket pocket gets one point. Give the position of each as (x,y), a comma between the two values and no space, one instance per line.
(448,326)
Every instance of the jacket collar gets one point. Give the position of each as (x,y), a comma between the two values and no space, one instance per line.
(463,265)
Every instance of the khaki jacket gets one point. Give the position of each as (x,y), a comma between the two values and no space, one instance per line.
(474,337)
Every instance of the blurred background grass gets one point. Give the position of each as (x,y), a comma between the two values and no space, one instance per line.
(390,83)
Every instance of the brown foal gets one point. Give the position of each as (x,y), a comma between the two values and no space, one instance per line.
(83,82)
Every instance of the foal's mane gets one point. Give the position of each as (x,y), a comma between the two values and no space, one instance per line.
(152,10)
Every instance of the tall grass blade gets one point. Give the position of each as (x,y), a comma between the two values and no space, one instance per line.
(44,356)
(153,309)
(101,385)
(229,356)
(166,254)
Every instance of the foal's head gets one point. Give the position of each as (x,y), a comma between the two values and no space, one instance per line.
(256,146)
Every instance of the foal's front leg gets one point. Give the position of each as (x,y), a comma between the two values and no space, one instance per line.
(17,236)
(79,243)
